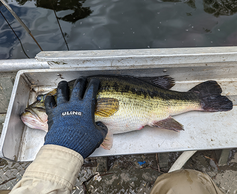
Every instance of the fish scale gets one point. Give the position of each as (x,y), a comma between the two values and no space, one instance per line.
(136,111)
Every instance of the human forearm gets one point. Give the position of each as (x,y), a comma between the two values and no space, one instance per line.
(53,171)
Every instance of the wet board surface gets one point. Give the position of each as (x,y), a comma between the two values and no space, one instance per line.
(203,131)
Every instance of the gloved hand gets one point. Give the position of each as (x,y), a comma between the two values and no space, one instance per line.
(71,123)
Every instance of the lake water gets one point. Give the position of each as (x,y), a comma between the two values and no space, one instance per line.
(117,24)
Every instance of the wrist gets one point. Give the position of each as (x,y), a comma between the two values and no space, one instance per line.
(81,142)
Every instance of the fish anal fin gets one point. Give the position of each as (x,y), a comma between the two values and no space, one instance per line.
(108,141)
(170,124)
(165,81)
(106,107)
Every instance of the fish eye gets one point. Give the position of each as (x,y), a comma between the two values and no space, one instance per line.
(40,98)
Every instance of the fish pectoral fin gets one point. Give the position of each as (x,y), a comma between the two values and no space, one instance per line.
(170,124)
(108,141)
(165,81)
(106,107)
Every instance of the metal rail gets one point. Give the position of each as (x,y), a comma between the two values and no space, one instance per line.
(11,65)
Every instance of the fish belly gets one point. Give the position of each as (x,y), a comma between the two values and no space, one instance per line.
(124,121)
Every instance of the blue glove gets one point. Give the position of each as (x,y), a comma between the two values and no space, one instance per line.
(71,123)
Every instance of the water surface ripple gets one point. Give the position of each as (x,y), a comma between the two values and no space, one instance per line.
(117,24)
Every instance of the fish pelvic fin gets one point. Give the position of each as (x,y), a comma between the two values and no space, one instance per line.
(108,141)
(209,93)
(164,82)
(106,107)
(170,124)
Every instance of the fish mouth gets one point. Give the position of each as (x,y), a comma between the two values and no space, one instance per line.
(32,119)
(33,113)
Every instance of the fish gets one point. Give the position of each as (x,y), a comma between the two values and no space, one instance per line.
(126,103)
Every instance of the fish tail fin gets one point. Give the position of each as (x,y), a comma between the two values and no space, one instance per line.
(209,93)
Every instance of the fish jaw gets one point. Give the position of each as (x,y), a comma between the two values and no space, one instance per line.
(35,122)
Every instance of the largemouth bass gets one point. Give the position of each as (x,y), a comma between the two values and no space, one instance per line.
(127,103)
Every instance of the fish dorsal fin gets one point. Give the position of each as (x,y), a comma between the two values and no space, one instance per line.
(108,141)
(165,81)
(170,124)
(106,107)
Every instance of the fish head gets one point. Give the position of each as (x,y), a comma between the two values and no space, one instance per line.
(35,118)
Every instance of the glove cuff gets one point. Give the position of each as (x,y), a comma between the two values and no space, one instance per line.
(82,143)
